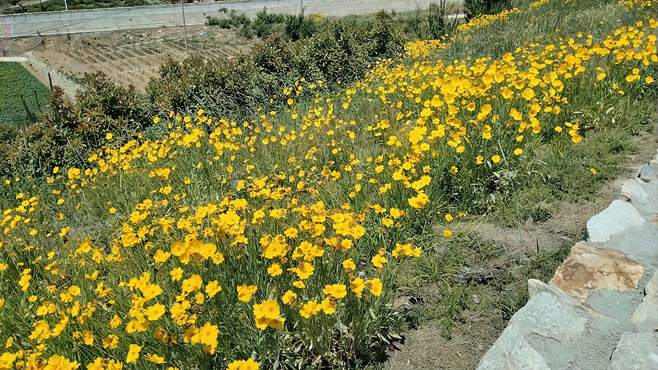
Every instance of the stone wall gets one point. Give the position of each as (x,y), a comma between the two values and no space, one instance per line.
(600,309)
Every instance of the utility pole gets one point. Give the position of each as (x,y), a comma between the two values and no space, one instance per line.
(182,9)
(66,6)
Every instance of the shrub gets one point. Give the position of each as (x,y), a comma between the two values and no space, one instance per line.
(299,27)
(267,23)
(473,8)
(69,132)
(386,36)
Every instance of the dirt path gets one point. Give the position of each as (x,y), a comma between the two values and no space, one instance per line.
(427,348)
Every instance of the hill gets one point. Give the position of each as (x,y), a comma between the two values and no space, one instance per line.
(282,238)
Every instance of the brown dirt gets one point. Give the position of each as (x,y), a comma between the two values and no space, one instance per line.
(129,57)
(426,347)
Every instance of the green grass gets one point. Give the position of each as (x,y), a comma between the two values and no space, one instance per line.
(560,172)
(22,96)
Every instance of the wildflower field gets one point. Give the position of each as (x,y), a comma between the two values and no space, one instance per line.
(276,242)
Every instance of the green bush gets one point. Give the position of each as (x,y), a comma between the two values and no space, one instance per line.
(327,53)
(337,52)
(69,132)
(299,27)
(266,23)
(473,8)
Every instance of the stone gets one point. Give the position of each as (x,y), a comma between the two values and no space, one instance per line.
(633,191)
(588,268)
(645,317)
(512,352)
(635,351)
(638,243)
(648,173)
(615,304)
(619,216)
(644,196)
(554,330)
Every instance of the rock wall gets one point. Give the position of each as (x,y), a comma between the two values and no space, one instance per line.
(600,309)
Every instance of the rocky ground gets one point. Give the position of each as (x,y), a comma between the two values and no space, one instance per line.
(600,310)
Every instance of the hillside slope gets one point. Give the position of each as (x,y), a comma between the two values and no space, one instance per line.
(281,241)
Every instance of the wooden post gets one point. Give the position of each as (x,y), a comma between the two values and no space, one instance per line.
(50,81)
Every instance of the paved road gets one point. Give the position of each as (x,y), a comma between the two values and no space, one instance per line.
(114,19)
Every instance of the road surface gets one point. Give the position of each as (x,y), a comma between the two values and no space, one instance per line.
(127,18)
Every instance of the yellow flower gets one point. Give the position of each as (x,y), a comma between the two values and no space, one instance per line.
(192,283)
(274,270)
(161,256)
(57,362)
(310,309)
(349,265)
(337,291)
(447,233)
(528,93)
(328,306)
(153,358)
(420,200)
(248,364)
(206,336)
(212,288)
(176,274)
(379,259)
(7,360)
(133,353)
(375,286)
(396,213)
(267,314)
(155,311)
(495,158)
(111,342)
(245,292)
(289,297)
(357,285)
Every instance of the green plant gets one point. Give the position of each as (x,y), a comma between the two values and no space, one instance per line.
(22,97)
(473,8)
(267,23)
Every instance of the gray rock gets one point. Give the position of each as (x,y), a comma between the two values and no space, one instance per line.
(644,196)
(612,303)
(512,352)
(556,331)
(645,316)
(648,174)
(616,218)
(638,243)
(635,351)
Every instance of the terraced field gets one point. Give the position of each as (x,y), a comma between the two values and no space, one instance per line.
(129,57)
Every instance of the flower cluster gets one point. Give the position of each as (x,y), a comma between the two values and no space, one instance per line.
(222,240)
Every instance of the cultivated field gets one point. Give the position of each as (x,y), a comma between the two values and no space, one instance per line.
(128,57)
(20,94)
